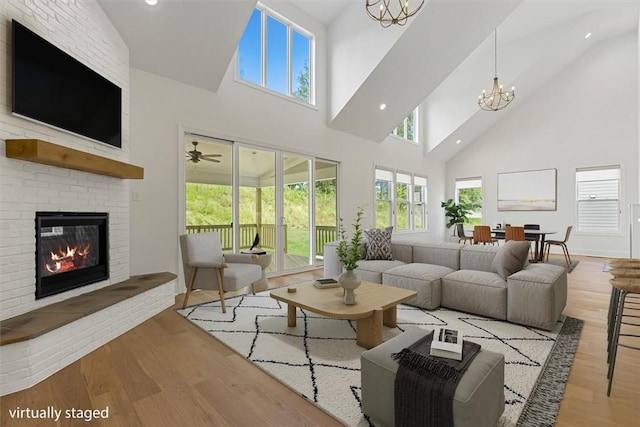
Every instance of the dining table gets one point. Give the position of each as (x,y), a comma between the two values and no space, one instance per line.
(538,236)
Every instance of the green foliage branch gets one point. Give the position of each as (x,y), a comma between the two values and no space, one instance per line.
(349,250)
(457,213)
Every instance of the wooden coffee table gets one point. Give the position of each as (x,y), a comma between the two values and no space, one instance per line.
(375,306)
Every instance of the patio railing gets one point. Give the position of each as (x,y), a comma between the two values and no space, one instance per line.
(324,234)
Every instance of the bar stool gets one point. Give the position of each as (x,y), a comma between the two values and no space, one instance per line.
(619,266)
(625,282)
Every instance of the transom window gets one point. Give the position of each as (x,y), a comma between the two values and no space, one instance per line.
(408,128)
(276,54)
(598,199)
(401,200)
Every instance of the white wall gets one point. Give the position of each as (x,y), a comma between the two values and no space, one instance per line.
(159,106)
(82,30)
(587,115)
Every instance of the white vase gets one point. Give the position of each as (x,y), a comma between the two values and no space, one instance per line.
(349,281)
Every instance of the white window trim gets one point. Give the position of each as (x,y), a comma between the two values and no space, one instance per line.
(265,12)
(393,201)
(473,178)
(621,213)
(416,128)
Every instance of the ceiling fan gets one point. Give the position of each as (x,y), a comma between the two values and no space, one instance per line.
(195,156)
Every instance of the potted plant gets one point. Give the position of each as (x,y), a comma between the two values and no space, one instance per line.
(349,254)
(456,212)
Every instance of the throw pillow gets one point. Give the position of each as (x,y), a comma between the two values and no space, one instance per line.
(510,258)
(378,243)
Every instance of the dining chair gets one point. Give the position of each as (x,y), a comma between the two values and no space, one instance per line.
(514,233)
(562,244)
(206,267)
(531,238)
(462,237)
(482,234)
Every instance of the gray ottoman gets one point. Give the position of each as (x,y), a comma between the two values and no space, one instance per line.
(478,400)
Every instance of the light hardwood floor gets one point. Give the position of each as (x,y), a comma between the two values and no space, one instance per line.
(167,372)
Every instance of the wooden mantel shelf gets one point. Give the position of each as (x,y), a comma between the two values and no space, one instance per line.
(38,151)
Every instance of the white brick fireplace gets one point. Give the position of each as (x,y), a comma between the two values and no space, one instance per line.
(80,28)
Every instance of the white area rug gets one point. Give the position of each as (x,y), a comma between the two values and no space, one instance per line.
(320,360)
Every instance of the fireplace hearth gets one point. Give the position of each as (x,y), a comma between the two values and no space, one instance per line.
(71,250)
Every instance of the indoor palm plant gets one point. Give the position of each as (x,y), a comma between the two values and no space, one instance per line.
(456,212)
(349,254)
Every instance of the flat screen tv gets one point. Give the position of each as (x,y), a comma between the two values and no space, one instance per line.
(51,87)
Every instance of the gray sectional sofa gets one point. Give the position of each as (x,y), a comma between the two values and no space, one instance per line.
(496,282)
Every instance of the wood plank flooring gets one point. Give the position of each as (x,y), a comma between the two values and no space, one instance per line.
(167,372)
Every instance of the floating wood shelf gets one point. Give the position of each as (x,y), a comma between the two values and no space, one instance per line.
(38,151)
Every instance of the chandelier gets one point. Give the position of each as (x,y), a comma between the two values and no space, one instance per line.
(388,14)
(497,99)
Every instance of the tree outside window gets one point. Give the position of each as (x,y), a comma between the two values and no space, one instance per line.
(408,128)
(401,200)
(469,192)
(276,54)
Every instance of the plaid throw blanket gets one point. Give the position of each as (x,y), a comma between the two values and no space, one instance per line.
(425,385)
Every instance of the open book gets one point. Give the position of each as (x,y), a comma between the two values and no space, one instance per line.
(447,343)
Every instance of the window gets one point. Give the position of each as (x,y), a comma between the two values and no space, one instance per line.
(419,203)
(408,128)
(598,199)
(469,191)
(276,54)
(403,191)
(384,184)
(401,200)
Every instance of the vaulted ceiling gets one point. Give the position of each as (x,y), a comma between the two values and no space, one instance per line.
(441,60)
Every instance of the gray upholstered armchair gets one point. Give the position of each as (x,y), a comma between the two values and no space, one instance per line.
(206,267)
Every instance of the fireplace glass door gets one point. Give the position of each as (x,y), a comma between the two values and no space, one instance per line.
(71,251)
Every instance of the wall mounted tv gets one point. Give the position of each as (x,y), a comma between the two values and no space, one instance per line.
(51,87)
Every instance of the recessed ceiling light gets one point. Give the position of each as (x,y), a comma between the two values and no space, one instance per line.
(458,141)
(586,36)
(383,106)
(151,2)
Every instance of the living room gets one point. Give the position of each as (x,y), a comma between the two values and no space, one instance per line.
(583,114)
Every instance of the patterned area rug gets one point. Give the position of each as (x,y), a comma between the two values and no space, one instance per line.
(320,360)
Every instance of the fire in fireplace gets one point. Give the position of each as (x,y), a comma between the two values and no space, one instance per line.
(71,250)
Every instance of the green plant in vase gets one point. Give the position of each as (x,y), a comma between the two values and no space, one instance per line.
(349,255)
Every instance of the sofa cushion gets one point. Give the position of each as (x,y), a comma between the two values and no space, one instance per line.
(445,254)
(477,257)
(378,244)
(402,250)
(371,271)
(536,295)
(510,258)
(422,278)
(473,291)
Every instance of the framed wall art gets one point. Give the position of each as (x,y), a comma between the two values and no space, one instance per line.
(527,191)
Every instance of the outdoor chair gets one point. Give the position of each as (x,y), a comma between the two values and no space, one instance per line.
(482,234)
(562,244)
(462,237)
(206,267)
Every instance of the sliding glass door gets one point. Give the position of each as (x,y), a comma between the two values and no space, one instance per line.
(296,196)
(256,201)
(326,206)
(288,200)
